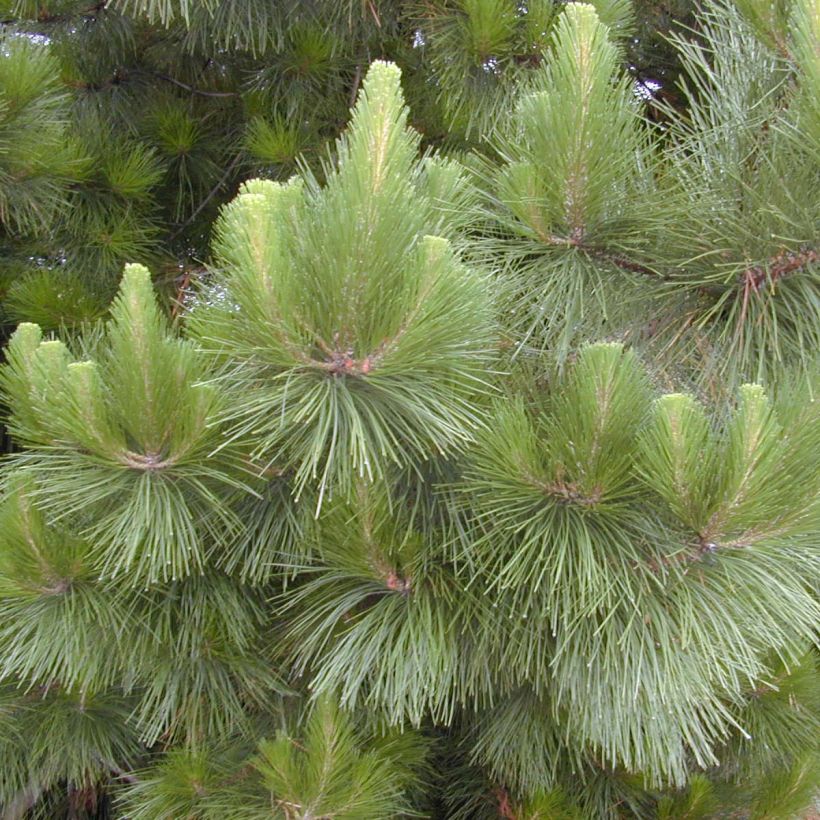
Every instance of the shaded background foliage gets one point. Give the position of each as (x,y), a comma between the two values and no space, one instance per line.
(145,116)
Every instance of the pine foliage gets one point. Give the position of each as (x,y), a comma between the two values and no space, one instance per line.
(344,313)
(123,437)
(573,194)
(325,766)
(747,252)
(603,561)
(472,483)
(38,160)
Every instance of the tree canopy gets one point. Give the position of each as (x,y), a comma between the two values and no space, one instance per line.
(410,409)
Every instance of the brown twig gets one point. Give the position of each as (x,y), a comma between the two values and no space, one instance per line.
(184,281)
(564,492)
(121,774)
(505,807)
(575,240)
(374,13)
(780,265)
(357,78)
(571,493)
(396,583)
(180,294)
(620,261)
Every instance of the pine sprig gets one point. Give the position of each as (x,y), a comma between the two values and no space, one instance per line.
(128,437)
(375,617)
(745,239)
(38,158)
(357,342)
(58,622)
(322,765)
(572,203)
(630,587)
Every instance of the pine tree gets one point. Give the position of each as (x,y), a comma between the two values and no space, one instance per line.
(476,484)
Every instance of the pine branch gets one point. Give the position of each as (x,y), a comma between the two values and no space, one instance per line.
(357,79)
(198,91)
(622,262)
(506,809)
(211,194)
(782,264)
(121,774)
